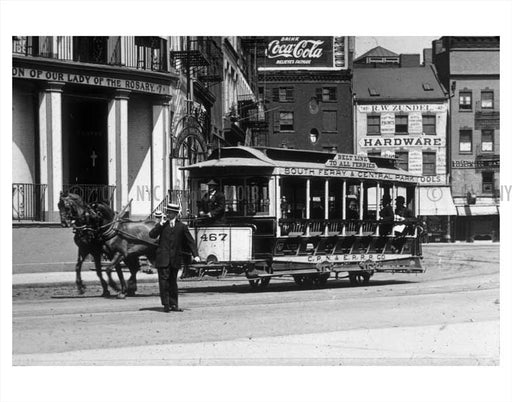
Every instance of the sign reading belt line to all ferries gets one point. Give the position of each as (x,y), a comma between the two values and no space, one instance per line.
(86,79)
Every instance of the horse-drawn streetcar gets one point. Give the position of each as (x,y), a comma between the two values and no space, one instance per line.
(311,215)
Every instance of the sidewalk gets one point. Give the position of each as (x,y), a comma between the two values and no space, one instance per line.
(66,278)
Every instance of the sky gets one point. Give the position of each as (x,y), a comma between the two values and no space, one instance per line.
(397,44)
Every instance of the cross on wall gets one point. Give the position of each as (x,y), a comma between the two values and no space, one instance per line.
(93,158)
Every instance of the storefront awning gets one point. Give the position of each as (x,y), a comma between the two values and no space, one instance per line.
(477,210)
(436,201)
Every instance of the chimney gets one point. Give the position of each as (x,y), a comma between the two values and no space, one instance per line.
(409,60)
(427,57)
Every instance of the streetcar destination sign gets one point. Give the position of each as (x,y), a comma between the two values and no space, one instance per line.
(347,173)
(351,161)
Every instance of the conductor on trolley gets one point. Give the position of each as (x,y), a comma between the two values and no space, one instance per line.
(213,203)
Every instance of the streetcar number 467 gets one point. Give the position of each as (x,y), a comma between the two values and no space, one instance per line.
(214,236)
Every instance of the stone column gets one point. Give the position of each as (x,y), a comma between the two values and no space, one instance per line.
(50,146)
(159,151)
(118,147)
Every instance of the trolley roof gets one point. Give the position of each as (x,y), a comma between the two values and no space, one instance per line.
(291,162)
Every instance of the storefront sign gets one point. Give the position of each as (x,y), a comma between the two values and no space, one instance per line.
(396,142)
(387,123)
(476,164)
(305,51)
(346,173)
(415,122)
(86,79)
(437,179)
(351,161)
(401,108)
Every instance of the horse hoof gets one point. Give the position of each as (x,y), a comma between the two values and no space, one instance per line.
(130,293)
(121,296)
(105,294)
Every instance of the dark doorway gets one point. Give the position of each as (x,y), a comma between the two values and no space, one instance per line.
(85,140)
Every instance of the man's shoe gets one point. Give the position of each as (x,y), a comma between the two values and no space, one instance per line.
(167,308)
(176,308)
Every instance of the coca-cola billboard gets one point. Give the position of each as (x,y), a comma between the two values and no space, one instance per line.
(305,52)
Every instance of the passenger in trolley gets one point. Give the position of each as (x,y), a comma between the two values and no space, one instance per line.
(213,204)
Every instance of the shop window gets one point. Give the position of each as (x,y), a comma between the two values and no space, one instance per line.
(329,118)
(487,99)
(373,124)
(429,124)
(402,160)
(286,121)
(326,94)
(283,94)
(487,140)
(488,182)
(429,163)
(465,141)
(465,100)
(401,124)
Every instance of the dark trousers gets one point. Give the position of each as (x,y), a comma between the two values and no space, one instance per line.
(167,281)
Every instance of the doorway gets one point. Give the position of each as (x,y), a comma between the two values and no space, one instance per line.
(85,140)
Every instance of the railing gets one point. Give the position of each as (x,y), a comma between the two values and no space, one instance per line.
(185,198)
(28,201)
(204,55)
(149,52)
(92,192)
(347,227)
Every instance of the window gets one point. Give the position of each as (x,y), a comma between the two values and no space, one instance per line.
(487,100)
(401,124)
(329,121)
(373,124)
(285,121)
(429,124)
(429,163)
(283,94)
(487,140)
(465,141)
(465,100)
(402,160)
(487,182)
(327,94)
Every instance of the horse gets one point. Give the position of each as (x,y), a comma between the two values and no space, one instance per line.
(121,239)
(74,212)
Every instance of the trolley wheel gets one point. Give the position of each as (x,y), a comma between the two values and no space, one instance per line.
(359,278)
(321,279)
(304,281)
(261,283)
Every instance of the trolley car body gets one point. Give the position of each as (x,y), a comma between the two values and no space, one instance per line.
(287,213)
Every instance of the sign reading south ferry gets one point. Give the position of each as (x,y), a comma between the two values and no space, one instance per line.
(308,52)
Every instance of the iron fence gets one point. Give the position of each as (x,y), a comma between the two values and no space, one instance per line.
(92,192)
(28,201)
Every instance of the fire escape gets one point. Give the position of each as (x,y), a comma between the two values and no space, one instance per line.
(201,62)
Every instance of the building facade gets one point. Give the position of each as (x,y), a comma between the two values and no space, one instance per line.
(402,112)
(89,113)
(306,86)
(469,67)
(114,118)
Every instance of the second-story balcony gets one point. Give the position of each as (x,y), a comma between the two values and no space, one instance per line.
(139,52)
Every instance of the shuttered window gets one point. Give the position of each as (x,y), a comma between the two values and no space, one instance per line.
(402,160)
(283,94)
(373,124)
(429,124)
(465,141)
(429,163)
(326,94)
(286,121)
(401,124)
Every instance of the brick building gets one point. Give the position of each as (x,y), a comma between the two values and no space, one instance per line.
(470,68)
(306,85)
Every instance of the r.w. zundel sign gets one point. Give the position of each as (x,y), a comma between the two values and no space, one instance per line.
(87,79)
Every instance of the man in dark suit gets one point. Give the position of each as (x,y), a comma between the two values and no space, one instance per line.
(213,203)
(173,236)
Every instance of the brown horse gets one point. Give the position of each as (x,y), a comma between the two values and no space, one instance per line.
(119,239)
